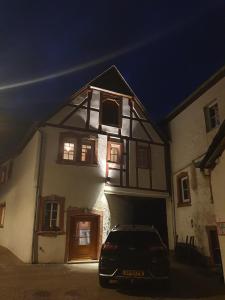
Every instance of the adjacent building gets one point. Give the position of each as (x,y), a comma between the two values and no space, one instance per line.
(192,127)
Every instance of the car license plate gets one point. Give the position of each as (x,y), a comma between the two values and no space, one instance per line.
(133,273)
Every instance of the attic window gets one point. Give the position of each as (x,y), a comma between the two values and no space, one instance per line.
(110,113)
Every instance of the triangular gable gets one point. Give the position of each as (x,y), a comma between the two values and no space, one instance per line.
(112,80)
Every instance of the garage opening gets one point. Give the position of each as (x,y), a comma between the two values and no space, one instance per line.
(138,210)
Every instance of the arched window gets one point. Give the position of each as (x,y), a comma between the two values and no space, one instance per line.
(110,113)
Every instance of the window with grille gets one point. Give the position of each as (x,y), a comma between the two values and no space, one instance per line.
(69,150)
(114,152)
(77,149)
(51,214)
(87,151)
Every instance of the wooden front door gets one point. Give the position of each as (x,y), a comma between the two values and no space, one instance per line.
(214,244)
(83,237)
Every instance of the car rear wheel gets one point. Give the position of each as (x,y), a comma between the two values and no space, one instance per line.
(104,282)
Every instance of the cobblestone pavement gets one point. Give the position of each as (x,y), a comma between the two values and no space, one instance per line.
(20,281)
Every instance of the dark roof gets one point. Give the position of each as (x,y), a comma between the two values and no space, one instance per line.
(197,93)
(215,149)
(112,80)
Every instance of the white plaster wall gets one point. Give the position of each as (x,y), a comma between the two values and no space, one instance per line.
(218,189)
(59,116)
(19,196)
(200,213)
(158,170)
(126,107)
(189,142)
(78,119)
(82,186)
(189,138)
(95,100)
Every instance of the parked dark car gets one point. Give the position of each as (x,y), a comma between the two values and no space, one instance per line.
(133,252)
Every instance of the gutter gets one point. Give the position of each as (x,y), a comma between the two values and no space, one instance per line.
(34,258)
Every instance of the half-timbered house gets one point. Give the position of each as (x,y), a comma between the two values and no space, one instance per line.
(96,162)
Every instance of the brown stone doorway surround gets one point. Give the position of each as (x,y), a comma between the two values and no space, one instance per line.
(83,234)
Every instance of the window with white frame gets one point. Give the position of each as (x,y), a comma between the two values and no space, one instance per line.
(212,119)
(51,214)
(183,189)
(69,149)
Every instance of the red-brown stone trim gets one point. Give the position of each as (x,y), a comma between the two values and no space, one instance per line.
(76,211)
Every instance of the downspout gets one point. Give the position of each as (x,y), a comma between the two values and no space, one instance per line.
(171,186)
(34,257)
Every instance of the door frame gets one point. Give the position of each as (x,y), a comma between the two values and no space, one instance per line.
(208,229)
(82,212)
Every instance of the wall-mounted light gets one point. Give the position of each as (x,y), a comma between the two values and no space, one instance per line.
(108,179)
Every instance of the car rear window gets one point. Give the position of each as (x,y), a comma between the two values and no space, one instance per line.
(134,237)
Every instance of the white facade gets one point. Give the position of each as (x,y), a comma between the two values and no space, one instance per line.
(189,143)
(103,189)
(18,195)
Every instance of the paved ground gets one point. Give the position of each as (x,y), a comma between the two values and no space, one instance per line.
(20,281)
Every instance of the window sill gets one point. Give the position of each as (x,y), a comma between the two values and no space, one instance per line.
(76,163)
(51,233)
(112,125)
(183,204)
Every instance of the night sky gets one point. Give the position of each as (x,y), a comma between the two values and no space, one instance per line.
(164,49)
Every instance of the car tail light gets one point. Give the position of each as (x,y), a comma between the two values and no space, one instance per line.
(109,247)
